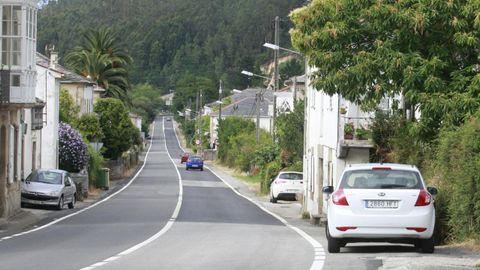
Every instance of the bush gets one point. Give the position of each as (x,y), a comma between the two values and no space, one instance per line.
(120,133)
(95,165)
(455,170)
(89,126)
(228,129)
(73,154)
(271,170)
(68,110)
(297,166)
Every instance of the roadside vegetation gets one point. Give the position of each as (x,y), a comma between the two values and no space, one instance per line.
(428,54)
(262,160)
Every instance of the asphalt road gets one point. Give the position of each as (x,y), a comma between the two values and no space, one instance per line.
(167,218)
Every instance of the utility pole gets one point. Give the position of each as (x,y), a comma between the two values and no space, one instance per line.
(200,126)
(275,75)
(220,90)
(257,105)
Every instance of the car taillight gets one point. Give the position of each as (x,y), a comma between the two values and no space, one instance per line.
(338,197)
(424,198)
(344,229)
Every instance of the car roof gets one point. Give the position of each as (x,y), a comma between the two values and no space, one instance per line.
(290,172)
(393,166)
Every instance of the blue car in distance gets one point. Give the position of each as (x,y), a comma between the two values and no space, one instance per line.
(194,162)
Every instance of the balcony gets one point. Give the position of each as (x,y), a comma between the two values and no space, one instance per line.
(11,93)
(354,133)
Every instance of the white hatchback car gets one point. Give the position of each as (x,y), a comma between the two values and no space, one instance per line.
(286,186)
(380,203)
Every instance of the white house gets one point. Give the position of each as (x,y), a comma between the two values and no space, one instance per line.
(43,133)
(327,151)
(17,92)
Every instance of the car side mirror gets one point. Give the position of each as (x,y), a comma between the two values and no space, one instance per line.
(432,190)
(327,190)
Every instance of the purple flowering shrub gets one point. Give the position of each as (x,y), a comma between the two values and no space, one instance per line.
(73,153)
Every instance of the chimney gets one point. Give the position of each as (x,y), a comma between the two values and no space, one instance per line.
(53,59)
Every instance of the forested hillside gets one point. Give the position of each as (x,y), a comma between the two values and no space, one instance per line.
(175,42)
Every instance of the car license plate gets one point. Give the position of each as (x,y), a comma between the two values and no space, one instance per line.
(194,166)
(381,204)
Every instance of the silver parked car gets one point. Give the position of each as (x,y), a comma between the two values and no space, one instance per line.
(49,187)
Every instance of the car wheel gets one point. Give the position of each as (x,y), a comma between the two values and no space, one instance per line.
(186,168)
(60,203)
(71,205)
(427,245)
(201,169)
(273,199)
(23,204)
(333,244)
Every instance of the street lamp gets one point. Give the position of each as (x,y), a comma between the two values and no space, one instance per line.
(251,74)
(276,47)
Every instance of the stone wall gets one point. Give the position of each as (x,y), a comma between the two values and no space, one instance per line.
(81,182)
(123,166)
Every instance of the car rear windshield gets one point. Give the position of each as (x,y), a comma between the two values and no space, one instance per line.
(291,176)
(381,179)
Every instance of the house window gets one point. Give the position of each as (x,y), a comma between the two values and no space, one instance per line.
(11,35)
(15,80)
(37,118)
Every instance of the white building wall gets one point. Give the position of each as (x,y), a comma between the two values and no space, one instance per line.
(323,132)
(48,89)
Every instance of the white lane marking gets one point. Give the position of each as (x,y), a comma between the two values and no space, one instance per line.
(90,206)
(319,252)
(167,226)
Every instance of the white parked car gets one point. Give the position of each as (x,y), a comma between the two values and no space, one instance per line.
(286,186)
(380,203)
(49,187)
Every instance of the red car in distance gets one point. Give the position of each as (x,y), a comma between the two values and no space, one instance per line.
(184,157)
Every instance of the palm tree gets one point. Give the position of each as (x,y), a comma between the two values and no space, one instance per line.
(100,58)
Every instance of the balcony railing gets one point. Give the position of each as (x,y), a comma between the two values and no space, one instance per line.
(355,133)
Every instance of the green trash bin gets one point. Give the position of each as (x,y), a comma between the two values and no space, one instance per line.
(103,181)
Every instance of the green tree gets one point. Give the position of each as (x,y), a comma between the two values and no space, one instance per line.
(291,68)
(120,134)
(366,50)
(146,101)
(214,39)
(187,89)
(227,129)
(289,130)
(89,126)
(68,111)
(100,58)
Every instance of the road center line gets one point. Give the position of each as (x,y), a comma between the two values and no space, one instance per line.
(162,231)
